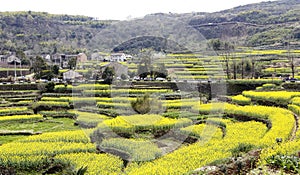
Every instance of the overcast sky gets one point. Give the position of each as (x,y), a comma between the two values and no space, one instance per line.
(120,9)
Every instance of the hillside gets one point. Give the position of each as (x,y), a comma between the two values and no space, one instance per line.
(270,23)
(257,24)
(43,33)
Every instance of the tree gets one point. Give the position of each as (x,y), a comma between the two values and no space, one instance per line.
(20,54)
(38,66)
(55,70)
(47,74)
(145,104)
(214,44)
(161,71)
(123,77)
(227,50)
(234,69)
(224,49)
(50,87)
(290,56)
(142,71)
(108,75)
(72,63)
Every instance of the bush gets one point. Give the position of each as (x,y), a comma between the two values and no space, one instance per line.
(242,148)
(144,105)
(50,87)
(287,163)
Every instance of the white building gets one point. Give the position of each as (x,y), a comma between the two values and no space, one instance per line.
(11,59)
(118,57)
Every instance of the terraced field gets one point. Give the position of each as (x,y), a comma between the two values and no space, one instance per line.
(104,129)
(102,134)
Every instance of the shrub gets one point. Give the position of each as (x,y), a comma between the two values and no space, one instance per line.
(50,87)
(241,148)
(144,105)
(287,163)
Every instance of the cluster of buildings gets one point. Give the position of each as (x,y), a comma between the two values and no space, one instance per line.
(62,60)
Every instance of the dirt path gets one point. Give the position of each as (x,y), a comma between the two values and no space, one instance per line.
(296,127)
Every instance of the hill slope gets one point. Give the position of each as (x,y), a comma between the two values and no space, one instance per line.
(260,24)
(46,33)
(254,24)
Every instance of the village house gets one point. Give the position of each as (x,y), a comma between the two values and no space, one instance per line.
(81,57)
(98,57)
(118,67)
(72,75)
(62,60)
(13,59)
(119,57)
(3,58)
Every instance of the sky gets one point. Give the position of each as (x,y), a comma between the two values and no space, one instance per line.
(120,9)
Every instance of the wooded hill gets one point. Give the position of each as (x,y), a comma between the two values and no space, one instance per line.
(264,24)
(43,33)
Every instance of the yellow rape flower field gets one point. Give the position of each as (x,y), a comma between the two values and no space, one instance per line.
(185,136)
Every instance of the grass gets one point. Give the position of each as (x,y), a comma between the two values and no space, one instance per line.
(10,138)
(57,124)
(89,120)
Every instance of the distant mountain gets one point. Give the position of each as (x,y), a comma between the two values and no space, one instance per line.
(264,24)
(258,24)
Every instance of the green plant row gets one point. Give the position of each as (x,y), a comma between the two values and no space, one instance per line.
(147,122)
(281,98)
(282,121)
(58,114)
(50,105)
(137,150)
(241,100)
(15,111)
(20,118)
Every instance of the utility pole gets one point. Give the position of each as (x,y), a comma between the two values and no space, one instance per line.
(15,68)
(21,68)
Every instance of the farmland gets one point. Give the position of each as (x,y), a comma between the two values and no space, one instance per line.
(165,94)
(144,129)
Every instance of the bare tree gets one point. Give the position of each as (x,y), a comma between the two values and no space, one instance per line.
(290,56)
(225,50)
